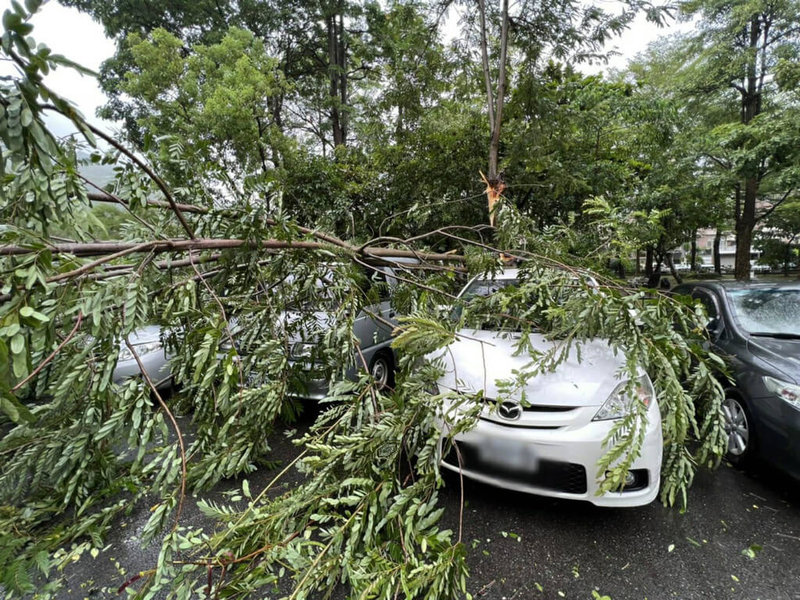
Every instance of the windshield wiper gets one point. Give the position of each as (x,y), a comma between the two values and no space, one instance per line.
(776,334)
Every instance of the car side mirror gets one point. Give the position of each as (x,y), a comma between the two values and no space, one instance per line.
(714,328)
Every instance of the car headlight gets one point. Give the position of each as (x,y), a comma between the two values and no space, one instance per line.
(620,403)
(784,390)
(141,349)
(302,350)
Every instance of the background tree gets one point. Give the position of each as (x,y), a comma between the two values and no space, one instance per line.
(732,60)
(780,237)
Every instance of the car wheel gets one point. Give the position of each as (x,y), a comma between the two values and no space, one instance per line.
(382,371)
(739,427)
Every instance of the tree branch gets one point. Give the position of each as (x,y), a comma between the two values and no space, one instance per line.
(772,208)
(178,433)
(47,360)
(140,163)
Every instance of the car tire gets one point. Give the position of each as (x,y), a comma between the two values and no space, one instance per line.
(382,370)
(740,429)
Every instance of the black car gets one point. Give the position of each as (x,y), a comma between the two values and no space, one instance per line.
(756,328)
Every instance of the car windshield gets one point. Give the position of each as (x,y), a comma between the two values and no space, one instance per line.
(486,287)
(767,311)
(482,288)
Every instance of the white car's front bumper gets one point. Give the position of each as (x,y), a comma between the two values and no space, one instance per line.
(556,460)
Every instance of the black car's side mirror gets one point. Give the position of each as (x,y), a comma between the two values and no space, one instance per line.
(714,328)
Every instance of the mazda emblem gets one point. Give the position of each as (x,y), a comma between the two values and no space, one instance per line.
(510,410)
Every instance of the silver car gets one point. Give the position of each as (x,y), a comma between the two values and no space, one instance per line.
(373,328)
(148,345)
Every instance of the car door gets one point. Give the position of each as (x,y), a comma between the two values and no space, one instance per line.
(374,323)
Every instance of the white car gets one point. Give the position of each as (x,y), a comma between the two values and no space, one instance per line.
(551,444)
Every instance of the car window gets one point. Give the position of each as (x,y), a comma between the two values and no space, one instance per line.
(708,302)
(374,284)
(381,285)
(486,287)
(767,310)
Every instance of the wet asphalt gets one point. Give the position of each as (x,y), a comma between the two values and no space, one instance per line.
(522,546)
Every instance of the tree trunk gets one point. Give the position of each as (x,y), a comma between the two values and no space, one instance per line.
(336,75)
(654,280)
(672,270)
(693,254)
(745,223)
(637,269)
(495,184)
(717,258)
(648,261)
(787,257)
(751,107)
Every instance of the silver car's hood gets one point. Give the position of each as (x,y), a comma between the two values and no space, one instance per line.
(478,359)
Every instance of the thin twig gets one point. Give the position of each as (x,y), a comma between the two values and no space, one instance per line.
(122,203)
(44,363)
(171,417)
(73,116)
(108,258)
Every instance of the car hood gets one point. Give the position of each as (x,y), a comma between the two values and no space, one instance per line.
(143,335)
(585,382)
(783,355)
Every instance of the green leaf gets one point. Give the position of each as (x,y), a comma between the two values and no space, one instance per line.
(752,551)
(3,361)
(26,118)
(17,344)
(14,409)
(33,5)
(20,365)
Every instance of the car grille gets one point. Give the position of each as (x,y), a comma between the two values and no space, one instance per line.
(552,475)
(535,416)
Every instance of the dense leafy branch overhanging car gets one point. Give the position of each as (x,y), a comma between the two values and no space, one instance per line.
(544,434)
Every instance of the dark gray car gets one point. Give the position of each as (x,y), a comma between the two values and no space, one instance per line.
(756,327)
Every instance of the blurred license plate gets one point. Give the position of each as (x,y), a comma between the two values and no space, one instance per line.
(507,454)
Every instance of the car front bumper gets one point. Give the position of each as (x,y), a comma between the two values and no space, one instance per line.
(156,364)
(560,462)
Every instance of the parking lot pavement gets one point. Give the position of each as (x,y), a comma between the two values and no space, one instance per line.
(522,547)
(739,538)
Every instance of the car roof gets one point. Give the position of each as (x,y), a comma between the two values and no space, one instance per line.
(731,285)
(507,274)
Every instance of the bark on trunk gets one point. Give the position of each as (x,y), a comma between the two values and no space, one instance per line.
(693,254)
(787,257)
(654,280)
(751,107)
(745,223)
(648,261)
(495,184)
(717,259)
(337,78)
(672,270)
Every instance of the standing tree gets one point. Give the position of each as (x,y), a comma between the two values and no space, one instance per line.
(560,29)
(732,60)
